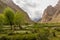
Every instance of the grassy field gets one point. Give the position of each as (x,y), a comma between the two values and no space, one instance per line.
(31,32)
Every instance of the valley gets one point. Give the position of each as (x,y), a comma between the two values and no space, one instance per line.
(15,24)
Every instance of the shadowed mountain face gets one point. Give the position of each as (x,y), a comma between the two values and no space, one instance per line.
(52,14)
(9,3)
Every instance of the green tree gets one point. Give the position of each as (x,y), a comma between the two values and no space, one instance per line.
(1,19)
(1,22)
(19,19)
(9,15)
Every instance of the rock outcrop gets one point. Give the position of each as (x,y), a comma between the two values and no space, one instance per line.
(56,17)
(48,14)
(58,5)
(52,14)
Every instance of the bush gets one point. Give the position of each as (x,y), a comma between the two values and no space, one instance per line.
(4,38)
(44,34)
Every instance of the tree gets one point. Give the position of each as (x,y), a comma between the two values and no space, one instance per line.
(9,15)
(19,19)
(2,21)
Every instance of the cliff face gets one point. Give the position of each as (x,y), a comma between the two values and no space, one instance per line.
(56,17)
(9,3)
(58,5)
(52,14)
(48,14)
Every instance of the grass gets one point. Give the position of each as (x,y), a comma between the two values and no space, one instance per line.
(34,32)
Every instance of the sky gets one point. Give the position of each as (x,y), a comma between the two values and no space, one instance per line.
(34,8)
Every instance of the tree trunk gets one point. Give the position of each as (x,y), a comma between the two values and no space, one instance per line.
(20,26)
(11,27)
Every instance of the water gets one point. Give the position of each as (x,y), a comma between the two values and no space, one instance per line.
(34,8)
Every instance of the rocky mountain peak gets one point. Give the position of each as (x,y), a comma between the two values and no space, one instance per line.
(50,10)
(48,13)
(58,5)
(52,14)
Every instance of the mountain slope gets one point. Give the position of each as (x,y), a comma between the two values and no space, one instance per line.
(56,17)
(52,14)
(58,5)
(9,3)
(48,14)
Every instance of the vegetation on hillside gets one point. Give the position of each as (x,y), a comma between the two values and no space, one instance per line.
(14,27)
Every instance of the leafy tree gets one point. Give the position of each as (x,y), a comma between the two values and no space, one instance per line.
(19,19)
(2,21)
(9,14)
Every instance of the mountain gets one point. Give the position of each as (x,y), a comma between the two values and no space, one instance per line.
(58,5)
(9,3)
(48,14)
(52,14)
(56,17)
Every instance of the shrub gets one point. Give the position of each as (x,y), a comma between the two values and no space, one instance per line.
(4,38)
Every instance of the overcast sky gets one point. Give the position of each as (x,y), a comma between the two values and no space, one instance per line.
(34,8)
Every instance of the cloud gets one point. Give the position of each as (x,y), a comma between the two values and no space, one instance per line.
(34,8)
